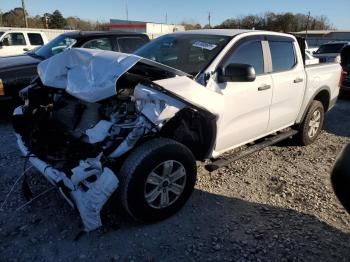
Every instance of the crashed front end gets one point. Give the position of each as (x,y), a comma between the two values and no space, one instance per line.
(85,112)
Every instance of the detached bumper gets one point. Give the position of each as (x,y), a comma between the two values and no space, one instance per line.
(88,202)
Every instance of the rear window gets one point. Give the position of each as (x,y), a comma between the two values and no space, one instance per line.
(35,39)
(283,56)
(1,33)
(130,44)
(330,48)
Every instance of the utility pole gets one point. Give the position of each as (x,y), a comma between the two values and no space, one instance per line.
(209,18)
(166,18)
(307,25)
(127,10)
(24,14)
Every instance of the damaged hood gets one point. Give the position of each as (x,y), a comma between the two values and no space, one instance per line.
(87,74)
(91,75)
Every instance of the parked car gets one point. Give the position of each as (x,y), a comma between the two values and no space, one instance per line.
(345,63)
(136,124)
(17,71)
(310,59)
(330,52)
(17,41)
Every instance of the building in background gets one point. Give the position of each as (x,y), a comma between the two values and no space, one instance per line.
(153,30)
(316,38)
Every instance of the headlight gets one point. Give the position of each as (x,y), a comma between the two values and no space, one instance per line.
(2,90)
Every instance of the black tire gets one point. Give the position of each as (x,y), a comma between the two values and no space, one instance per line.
(303,136)
(137,168)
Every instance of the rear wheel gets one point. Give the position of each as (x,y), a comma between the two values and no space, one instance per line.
(311,127)
(157,179)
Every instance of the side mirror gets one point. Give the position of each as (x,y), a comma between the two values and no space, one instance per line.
(236,73)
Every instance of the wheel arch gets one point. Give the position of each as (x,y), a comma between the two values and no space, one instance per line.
(322,95)
(195,129)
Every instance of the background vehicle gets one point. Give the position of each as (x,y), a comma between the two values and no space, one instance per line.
(16,41)
(345,63)
(310,59)
(330,52)
(142,124)
(17,71)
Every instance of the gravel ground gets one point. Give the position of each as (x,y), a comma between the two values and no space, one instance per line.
(276,205)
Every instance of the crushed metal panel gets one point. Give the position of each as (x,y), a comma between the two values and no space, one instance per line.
(194,93)
(90,203)
(156,106)
(87,74)
(99,132)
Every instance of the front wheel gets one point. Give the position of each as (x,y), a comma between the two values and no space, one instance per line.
(312,124)
(157,179)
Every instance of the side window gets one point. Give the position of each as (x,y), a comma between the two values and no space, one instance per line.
(14,39)
(283,56)
(130,44)
(249,53)
(35,39)
(98,43)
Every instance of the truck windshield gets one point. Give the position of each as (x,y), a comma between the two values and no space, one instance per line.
(330,48)
(55,46)
(190,53)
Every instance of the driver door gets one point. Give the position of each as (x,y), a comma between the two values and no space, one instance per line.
(247,104)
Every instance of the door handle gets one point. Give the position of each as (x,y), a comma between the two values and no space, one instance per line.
(298,80)
(26,49)
(264,87)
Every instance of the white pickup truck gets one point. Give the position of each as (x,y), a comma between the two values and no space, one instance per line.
(99,122)
(17,41)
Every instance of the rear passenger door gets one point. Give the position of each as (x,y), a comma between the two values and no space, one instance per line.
(288,76)
(130,44)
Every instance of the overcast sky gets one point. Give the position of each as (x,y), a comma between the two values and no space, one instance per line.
(185,10)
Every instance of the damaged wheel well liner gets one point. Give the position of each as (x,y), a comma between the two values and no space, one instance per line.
(194,129)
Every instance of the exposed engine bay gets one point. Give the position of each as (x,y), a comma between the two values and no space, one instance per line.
(77,140)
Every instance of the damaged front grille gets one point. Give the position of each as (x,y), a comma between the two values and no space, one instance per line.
(59,128)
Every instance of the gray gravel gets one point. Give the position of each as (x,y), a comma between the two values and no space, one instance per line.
(276,205)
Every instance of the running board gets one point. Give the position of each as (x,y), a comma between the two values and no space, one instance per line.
(223,162)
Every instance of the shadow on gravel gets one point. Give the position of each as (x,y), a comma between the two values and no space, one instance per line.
(337,120)
(210,226)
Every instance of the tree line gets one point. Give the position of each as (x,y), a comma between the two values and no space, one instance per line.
(279,22)
(55,20)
